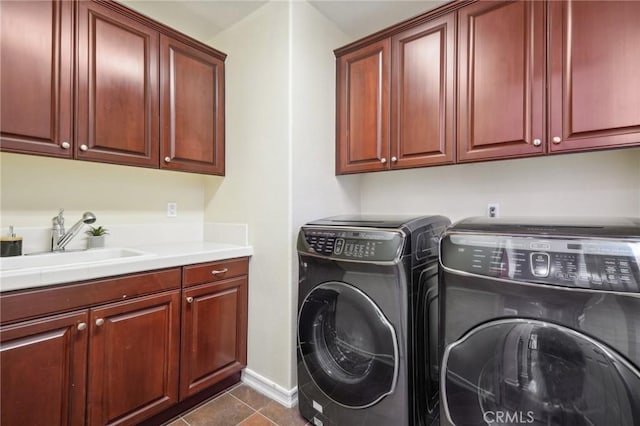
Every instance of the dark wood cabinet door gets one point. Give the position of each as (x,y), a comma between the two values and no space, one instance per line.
(36,63)
(214,333)
(362,109)
(422,97)
(43,364)
(594,74)
(117,107)
(501,84)
(192,99)
(133,359)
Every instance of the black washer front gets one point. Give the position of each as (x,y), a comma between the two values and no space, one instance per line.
(534,372)
(540,322)
(347,344)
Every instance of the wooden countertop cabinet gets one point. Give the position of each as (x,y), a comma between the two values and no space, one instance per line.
(43,367)
(117,351)
(214,333)
(133,359)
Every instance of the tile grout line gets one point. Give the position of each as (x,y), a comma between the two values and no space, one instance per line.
(258,411)
(254,410)
(203,403)
(271,422)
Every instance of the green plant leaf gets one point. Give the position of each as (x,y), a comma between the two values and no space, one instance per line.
(97,231)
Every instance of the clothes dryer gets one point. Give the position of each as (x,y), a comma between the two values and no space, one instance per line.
(540,322)
(366,349)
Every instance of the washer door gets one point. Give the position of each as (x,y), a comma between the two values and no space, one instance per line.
(347,345)
(532,372)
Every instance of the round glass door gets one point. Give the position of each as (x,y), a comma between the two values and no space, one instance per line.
(512,372)
(347,345)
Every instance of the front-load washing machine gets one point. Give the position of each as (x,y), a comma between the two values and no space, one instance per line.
(367,320)
(540,322)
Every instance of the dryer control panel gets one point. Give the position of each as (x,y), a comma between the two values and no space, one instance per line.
(351,244)
(596,264)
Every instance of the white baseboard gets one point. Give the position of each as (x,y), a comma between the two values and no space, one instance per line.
(286,397)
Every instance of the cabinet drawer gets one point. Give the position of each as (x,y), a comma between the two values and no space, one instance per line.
(33,303)
(214,271)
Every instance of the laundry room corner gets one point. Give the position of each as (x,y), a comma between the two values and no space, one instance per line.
(280,171)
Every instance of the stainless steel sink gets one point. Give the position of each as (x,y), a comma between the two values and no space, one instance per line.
(69,258)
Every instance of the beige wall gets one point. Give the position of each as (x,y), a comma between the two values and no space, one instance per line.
(588,184)
(280,145)
(316,191)
(256,188)
(34,188)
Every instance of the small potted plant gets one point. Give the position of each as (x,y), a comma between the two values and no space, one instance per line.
(96,236)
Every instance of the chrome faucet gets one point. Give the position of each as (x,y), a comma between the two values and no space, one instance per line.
(60,238)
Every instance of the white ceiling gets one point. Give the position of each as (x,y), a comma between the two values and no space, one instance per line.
(359,18)
(203,19)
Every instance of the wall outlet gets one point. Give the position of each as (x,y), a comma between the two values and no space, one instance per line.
(493,210)
(172,209)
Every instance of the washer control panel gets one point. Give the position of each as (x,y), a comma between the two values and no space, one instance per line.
(597,264)
(351,244)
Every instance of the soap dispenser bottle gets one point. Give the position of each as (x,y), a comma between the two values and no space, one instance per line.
(10,245)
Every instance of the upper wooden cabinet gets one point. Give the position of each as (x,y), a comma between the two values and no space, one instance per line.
(117,109)
(594,83)
(531,78)
(362,109)
(145,95)
(395,100)
(422,95)
(36,96)
(192,99)
(501,80)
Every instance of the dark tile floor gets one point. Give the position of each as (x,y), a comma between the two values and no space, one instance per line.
(240,406)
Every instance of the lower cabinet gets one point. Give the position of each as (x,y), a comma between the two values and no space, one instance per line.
(133,359)
(107,352)
(132,364)
(214,337)
(43,371)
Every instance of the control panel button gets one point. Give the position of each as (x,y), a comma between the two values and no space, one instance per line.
(540,264)
(339,246)
(540,245)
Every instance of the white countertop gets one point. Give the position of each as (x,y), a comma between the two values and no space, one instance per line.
(158,256)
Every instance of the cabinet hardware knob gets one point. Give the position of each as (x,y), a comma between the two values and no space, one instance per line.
(83,147)
(82,326)
(99,322)
(65,145)
(556,139)
(221,271)
(189,299)
(167,159)
(394,159)
(537,142)
(383,160)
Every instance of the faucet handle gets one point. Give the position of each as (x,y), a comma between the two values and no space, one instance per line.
(59,219)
